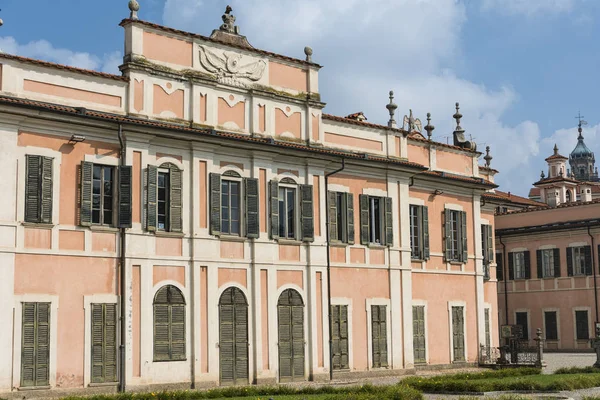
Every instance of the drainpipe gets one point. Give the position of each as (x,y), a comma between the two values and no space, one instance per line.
(505,276)
(594,269)
(123,285)
(329,266)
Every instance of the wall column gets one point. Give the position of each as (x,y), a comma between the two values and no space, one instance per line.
(479,294)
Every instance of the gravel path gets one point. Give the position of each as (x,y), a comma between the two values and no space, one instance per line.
(555,361)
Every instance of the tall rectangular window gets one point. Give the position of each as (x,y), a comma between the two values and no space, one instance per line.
(163,200)
(230,207)
(379,336)
(578,258)
(551,325)
(548,263)
(419,343)
(35,345)
(582,325)
(375,220)
(38,189)
(102,194)
(488,339)
(455,236)
(339,335)
(419,232)
(104,343)
(415,230)
(519,264)
(521,318)
(340,201)
(287,213)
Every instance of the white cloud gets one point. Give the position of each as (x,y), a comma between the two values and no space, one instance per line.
(529,7)
(44,50)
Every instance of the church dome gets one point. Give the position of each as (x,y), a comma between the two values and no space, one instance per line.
(581,150)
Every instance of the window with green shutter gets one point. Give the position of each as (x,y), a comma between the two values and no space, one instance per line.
(233,337)
(379,336)
(101,197)
(289,204)
(487,321)
(341,217)
(376,220)
(169,324)
(164,198)
(38,189)
(487,249)
(339,336)
(35,345)
(104,343)
(290,320)
(455,232)
(419,232)
(458,334)
(419,346)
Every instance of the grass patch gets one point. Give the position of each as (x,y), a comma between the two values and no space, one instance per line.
(365,392)
(526,379)
(577,370)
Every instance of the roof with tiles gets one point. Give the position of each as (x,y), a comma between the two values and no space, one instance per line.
(490,169)
(547,207)
(555,180)
(63,67)
(511,198)
(87,113)
(206,38)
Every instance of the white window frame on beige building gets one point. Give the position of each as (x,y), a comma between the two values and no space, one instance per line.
(590,325)
(412,201)
(297,217)
(274,346)
(423,303)
(18,335)
(528,311)
(463,304)
(558,335)
(176,371)
(455,207)
(488,306)
(379,302)
(240,180)
(87,341)
(21,178)
(345,301)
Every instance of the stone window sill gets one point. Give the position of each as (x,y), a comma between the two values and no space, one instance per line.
(290,242)
(232,238)
(26,388)
(376,246)
(169,234)
(37,225)
(338,244)
(104,228)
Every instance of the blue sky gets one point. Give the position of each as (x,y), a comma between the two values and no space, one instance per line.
(522,69)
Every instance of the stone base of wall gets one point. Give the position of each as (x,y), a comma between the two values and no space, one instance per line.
(345,375)
(439,367)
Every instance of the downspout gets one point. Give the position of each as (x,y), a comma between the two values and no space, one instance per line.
(594,269)
(505,277)
(123,285)
(329,267)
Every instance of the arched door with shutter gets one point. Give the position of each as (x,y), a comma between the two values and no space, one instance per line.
(233,337)
(290,316)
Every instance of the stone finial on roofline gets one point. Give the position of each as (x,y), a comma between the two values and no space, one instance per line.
(134,7)
(488,158)
(429,127)
(229,22)
(392,109)
(542,175)
(459,132)
(309,52)
(411,124)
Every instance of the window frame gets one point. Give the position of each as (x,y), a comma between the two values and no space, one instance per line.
(170,306)
(416,231)
(557,316)
(114,183)
(521,267)
(341,218)
(296,229)
(578,252)
(547,262)
(372,219)
(167,201)
(241,204)
(576,333)
(526,312)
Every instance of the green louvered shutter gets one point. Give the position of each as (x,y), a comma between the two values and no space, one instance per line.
(332,209)
(364,218)
(46,200)
(85,214)
(556,256)
(274,208)
(540,268)
(419,334)
(447,235)
(490,244)
(425,230)
(511,266)
(35,345)
(306,213)
(587,253)
(177,331)
(32,188)
(463,231)
(339,323)
(527,256)
(350,217)
(124,196)
(379,336)
(175,199)
(169,325)
(104,343)
(458,334)
(252,220)
(389,222)
(152,187)
(569,261)
(215,204)
(290,315)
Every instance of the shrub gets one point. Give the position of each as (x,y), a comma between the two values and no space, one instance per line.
(577,370)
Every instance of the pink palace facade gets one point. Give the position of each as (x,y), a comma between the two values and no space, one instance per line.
(179,213)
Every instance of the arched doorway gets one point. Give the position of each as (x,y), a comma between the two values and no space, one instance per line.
(290,316)
(233,337)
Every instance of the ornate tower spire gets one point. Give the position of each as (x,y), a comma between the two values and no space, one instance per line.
(457,116)
(429,127)
(392,109)
(555,149)
(134,7)
(487,158)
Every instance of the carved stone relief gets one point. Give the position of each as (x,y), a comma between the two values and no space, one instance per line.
(229,68)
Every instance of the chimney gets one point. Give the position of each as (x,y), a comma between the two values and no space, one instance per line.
(585,192)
